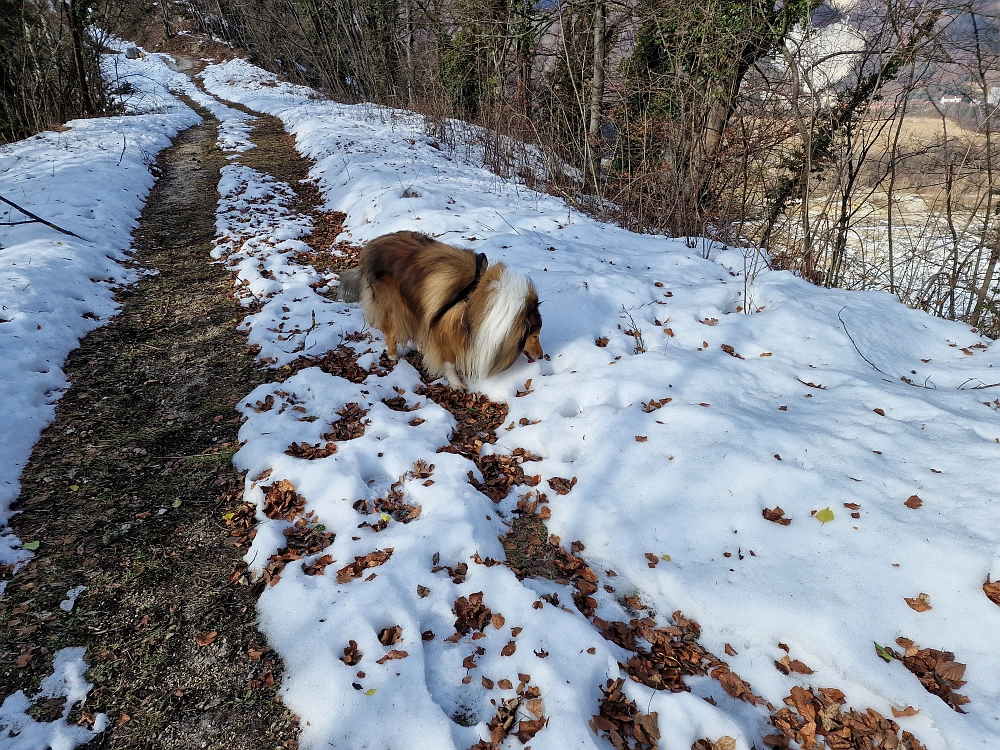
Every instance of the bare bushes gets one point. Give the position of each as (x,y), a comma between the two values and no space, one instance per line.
(49,70)
(792,125)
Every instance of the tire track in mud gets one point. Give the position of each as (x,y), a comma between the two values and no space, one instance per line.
(127,490)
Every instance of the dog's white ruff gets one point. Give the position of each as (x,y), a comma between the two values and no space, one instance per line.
(506,301)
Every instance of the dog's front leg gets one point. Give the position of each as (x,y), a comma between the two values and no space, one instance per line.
(452,376)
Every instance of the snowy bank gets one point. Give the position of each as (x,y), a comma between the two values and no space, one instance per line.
(746,395)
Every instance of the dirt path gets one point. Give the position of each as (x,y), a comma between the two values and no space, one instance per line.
(127,491)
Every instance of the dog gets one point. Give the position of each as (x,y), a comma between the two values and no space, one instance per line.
(469,319)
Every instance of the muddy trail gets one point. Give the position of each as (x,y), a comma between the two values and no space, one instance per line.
(128,491)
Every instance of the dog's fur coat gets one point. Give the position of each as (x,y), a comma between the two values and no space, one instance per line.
(470,320)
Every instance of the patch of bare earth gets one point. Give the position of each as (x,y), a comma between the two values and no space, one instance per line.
(131,492)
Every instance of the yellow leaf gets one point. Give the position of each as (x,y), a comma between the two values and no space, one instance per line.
(74,487)
(370,691)
(665,557)
(386,517)
(825,515)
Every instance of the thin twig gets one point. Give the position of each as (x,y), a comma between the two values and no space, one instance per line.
(640,345)
(856,345)
(40,220)
(977,387)
(908,382)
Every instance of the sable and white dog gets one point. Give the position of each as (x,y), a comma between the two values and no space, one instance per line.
(468,318)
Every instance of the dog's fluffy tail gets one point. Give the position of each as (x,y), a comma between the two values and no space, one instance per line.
(350,285)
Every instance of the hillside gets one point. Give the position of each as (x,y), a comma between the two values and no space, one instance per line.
(734,491)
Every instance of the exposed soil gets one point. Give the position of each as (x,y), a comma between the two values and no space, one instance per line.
(126,492)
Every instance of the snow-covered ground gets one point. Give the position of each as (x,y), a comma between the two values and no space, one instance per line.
(799,420)
(669,498)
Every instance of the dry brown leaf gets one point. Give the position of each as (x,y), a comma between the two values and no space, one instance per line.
(391,656)
(908,711)
(562,486)
(528,728)
(509,649)
(351,653)
(776,515)
(992,591)
(921,603)
(362,563)
(913,501)
(535,706)
(205,638)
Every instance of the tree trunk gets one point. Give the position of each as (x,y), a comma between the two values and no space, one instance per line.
(408,44)
(597,92)
(81,69)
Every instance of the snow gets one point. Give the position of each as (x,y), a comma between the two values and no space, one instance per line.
(791,422)
(67,604)
(19,731)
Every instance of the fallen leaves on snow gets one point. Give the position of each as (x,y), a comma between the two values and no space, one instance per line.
(992,590)
(920,603)
(723,743)
(562,486)
(351,654)
(311,452)
(281,502)
(351,425)
(654,404)
(362,563)
(674,653)
(776,515)
(825,515)
(621,722)
(394,654)
(937,671)
(304,537)
(819,713)
(787,665)
(471,613)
